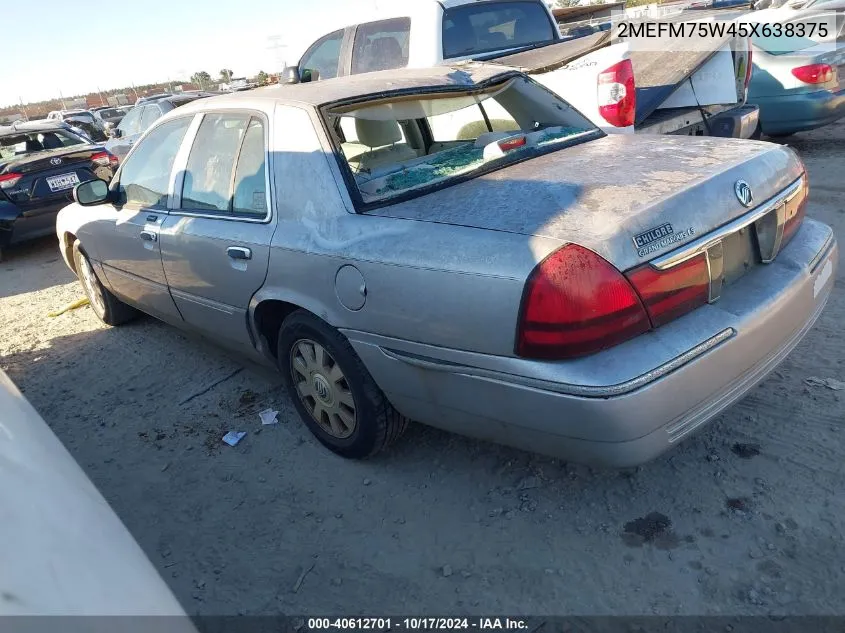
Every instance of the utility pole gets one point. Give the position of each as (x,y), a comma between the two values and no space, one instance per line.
(23,107)
(62,99)
(102,101)
(275,44)
(134,90)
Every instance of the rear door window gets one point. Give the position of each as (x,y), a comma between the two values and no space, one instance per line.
(381,45)
(249,195)
(208,177)
(145,174)
(324,55)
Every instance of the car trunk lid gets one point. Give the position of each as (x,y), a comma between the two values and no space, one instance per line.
(628,198)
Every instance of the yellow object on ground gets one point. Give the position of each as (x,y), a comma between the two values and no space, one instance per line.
(71,306)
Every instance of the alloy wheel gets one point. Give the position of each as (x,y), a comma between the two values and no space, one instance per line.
(323,388)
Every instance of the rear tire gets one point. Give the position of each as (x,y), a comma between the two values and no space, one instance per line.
(108,308)
(332,390)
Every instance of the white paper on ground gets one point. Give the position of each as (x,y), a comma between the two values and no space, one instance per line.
(233,437)
(268,416)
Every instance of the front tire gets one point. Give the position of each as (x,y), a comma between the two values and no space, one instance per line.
(108,308)
(332,390)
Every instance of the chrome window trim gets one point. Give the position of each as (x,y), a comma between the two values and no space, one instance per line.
(181,165)
(604,391)
(704,242)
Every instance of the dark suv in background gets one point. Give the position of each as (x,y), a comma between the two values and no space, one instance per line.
(141,117)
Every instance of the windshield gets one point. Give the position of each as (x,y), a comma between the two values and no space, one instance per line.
(27,143)
(109,113)
(472,29)
(401,146)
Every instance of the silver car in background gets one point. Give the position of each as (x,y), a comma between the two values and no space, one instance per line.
(397,256)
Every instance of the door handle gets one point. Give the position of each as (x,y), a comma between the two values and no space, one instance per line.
(149,236)
(238,252)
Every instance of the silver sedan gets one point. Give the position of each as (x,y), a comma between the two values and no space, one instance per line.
(460,247)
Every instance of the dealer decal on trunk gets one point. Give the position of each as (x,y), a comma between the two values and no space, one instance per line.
(659,237)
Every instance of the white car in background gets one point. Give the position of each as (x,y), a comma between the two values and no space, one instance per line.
(65,551)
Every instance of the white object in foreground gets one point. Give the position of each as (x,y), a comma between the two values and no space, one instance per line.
(268,416)
(233,437)
(67,552)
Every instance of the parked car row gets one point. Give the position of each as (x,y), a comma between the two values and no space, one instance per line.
(458,246)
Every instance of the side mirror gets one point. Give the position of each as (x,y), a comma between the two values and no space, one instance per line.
(290,75)
(114,132)
(91,193)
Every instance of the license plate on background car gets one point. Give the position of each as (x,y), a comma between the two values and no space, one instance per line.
(60,183)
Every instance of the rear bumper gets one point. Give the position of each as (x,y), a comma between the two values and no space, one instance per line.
(728,347)
(795,113)
(738,122)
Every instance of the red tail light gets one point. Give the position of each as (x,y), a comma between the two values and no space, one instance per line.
(104,158)
(796,209)
(617,95)
(667,294)
(7,181)
(814,73)
(576,303)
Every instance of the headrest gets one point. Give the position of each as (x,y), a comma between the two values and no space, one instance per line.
(377,133)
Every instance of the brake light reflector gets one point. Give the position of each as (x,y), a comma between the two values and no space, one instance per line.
(576,303)
(814,73)
(617,95)
(104,158)
(667,294)
(7,181)
(796,209)
(512,143)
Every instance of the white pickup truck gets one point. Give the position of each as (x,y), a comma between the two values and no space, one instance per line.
(621,91)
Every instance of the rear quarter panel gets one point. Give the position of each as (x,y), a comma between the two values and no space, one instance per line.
(441,284)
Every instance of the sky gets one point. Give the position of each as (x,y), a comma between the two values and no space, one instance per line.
(115,44)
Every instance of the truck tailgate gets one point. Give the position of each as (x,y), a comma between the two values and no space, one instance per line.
(660,73)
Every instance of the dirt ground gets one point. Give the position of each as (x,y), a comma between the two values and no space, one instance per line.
(745,518)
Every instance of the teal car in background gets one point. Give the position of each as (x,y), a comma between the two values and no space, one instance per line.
(798,83)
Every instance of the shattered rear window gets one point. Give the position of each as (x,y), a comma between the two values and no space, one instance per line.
(396,147)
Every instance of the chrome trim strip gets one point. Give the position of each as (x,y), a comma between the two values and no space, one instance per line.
(824,251)
(619,389)
(702,243)
(202,301)
(693,419)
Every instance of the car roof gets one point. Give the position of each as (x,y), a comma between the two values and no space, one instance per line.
(318,93)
